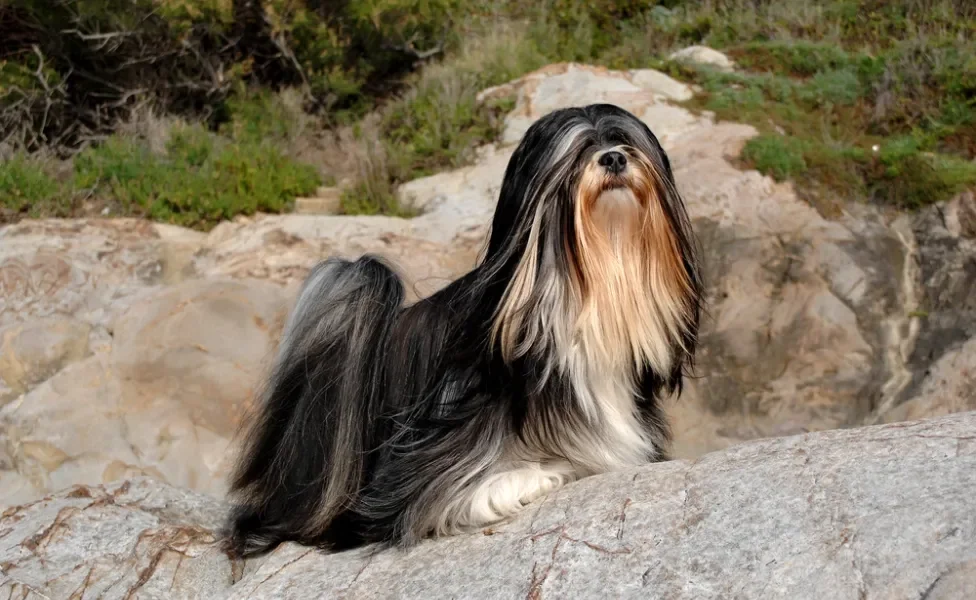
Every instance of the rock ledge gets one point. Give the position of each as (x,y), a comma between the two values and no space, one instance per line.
(886,511)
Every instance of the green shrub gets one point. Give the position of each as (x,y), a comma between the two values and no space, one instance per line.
(24,184)
(201,180)
(841,87)
(257,115)
(905,175)
(438,122)
(779,156)
(791,57)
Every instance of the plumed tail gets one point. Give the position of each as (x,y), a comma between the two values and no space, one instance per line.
(302,460)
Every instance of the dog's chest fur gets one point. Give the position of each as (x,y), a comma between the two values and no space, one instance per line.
(601,351)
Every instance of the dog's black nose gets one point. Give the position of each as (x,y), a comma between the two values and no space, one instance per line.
(614,161)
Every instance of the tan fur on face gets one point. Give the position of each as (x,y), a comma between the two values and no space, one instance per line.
(632,277)
(628,296)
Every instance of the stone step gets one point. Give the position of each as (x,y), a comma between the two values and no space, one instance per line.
(327,201)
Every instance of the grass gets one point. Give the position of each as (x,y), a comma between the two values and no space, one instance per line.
(25,187)
(853,125)
(192,177)
(868,100)
(437,124)
(854,100)
(200,180)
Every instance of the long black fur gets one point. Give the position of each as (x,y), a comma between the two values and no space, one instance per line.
(410,399)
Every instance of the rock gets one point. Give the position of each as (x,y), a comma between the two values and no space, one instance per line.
(165,402)
(138,539)
(77,268)
(568,84)
(966,215)
(959,581)
(874,512)
(703,55)
(943,313)
(282,248)
(179,244)
(32,352)
(948,387)
(200,345)
(659,83)
(327,201)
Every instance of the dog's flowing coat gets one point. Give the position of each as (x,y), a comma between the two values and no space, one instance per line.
(546,363)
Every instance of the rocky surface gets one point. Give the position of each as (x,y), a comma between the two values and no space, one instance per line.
(140,539)
(32,352)
(885,511)
(703,55)
(132,348)
(949,386)
(165,401)
(946,241)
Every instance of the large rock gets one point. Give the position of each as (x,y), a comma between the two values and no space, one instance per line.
(940,350)
(948,387)
(33,351)
(429,250)
(645,92)
(165,402)
(82,268)
(878,512)
(200,346)
(130,540)
(703,55)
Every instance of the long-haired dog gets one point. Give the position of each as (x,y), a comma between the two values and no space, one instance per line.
(384,423)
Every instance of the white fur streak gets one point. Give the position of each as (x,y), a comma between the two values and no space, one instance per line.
(505,493)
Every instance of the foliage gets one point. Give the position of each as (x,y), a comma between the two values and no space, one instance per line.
(870,99)
(199,181)
(823,111)
(438,122)
(70,70)
(777,155)
(23,184)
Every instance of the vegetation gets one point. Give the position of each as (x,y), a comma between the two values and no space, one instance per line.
(854,99)
(893,124)
(196,178)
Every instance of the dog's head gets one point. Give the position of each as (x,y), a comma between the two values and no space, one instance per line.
(589,224)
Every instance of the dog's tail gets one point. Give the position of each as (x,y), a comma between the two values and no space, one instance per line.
(302,460)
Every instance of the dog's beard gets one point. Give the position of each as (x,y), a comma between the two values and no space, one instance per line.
(631,276)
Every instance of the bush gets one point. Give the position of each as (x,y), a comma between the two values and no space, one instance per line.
(779,156)
(437,123)
(824,81)
(24,184)
(905,175)
(799,58)
(201,179)
(73,69)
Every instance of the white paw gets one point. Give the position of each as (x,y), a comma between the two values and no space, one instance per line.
(540,487)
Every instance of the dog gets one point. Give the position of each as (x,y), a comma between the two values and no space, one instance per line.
(384,424)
